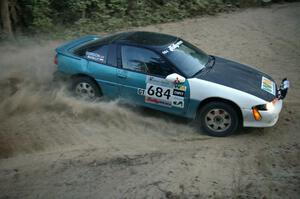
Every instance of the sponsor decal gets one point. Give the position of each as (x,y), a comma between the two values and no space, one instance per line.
(180,87)
(158,101)
(178,92)
(172,47)
(158,81)
(161,92)
(268,85)
(141,91)
(165,52)
(95,56)
(178,102)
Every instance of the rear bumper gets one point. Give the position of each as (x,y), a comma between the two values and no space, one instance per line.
(269,117)
(60,76)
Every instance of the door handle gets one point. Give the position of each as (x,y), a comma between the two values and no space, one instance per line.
(122,74)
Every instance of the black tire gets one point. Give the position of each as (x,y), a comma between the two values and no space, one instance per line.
(218,119)
(89,89)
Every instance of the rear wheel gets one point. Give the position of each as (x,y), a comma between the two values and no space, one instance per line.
(218,119)
(86,88)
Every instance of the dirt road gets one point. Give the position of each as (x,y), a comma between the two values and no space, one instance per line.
(54,146)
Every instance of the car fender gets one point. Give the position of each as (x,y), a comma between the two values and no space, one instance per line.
(72,65)
(202,89)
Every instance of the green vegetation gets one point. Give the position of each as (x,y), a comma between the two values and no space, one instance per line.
(77,17)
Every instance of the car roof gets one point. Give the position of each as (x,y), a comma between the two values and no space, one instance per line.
(152,40)
(143,38)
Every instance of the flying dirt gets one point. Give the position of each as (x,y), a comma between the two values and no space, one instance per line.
(44,116)
(53,145)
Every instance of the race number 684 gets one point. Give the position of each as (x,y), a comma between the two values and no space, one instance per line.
(158,92)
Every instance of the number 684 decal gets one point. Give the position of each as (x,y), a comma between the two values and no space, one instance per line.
(160,92)
(165,95)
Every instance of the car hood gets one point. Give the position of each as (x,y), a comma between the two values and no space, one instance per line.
(237,76)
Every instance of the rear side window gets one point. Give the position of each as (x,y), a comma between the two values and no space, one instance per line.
(144,60)
(98,54)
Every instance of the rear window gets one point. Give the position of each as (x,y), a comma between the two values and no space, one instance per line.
(91,46)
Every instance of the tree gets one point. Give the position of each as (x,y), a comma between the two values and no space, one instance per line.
(5,19)
(130,7)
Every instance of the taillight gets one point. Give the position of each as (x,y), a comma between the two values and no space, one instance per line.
(55,60)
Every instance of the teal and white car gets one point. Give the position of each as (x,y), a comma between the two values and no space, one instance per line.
(166,73)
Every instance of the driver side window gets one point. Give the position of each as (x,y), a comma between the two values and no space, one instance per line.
(144,60)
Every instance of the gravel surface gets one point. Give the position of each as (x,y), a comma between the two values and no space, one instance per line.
(54,146)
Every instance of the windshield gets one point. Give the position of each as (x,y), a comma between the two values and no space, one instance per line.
(186,57)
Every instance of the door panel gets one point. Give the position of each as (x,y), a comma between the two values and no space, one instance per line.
(153,91)
(122,74)
(102,65)
(106,78)
(131,83)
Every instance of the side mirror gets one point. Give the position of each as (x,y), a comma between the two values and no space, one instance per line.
(175,78)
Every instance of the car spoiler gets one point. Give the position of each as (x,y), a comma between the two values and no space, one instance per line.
(76,43)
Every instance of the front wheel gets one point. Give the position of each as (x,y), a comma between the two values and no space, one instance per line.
(218,119)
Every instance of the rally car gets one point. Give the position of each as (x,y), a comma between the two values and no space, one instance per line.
(169,74)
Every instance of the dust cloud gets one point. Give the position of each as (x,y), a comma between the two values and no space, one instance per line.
(38,114)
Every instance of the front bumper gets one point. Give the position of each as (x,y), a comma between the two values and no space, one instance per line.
(269,117)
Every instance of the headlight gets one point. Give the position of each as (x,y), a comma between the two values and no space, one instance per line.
(263,107)
(266,107)
(270,106)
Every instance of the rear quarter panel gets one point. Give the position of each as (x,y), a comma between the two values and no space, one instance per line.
(71,65)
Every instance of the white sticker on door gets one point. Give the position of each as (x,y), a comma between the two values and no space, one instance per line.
(161,92)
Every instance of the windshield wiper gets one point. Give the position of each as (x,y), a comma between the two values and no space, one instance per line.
(211,61)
